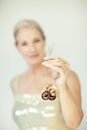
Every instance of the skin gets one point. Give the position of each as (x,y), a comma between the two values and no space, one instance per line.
(31,45)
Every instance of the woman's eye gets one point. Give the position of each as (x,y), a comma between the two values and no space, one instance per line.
(37,40)
(24,44)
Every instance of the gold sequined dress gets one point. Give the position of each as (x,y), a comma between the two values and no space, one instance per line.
(31,112)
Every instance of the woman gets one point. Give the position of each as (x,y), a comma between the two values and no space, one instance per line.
(47,95)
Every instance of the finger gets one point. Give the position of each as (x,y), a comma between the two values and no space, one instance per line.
(57,59)
(61,70)
(52,64)
(56,63)
(57,69)
(49,58)
(54,67)
(52,58)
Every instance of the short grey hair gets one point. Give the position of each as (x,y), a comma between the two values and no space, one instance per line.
(27,23)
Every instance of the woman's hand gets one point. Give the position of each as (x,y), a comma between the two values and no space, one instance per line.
(60,67)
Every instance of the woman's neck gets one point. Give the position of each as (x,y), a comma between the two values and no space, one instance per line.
(36,69)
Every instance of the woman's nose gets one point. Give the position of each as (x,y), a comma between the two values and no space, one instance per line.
(31,48)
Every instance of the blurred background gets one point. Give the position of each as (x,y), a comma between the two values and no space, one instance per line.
(65,25)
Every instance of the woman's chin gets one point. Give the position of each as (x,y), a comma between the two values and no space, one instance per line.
(34,62)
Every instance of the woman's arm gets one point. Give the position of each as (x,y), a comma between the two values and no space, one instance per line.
(70,99)
(69,91)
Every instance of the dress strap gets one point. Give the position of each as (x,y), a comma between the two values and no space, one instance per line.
(16,84)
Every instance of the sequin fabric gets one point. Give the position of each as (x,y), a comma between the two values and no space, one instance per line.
(31,112)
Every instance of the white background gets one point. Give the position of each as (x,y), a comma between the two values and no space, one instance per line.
(65,26)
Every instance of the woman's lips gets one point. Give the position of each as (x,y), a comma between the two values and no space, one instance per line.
(34,56)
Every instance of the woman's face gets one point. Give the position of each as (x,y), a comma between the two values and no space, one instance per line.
(31,45)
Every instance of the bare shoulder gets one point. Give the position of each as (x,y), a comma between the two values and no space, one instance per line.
(13,83)
(73,79)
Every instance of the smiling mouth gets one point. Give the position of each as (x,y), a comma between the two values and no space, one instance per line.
(34,56)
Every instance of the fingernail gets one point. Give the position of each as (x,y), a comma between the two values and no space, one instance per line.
(45,64)
(45,57)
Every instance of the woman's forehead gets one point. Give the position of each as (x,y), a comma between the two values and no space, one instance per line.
(28,33)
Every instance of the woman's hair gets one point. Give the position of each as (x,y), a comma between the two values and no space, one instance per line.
(27,23)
